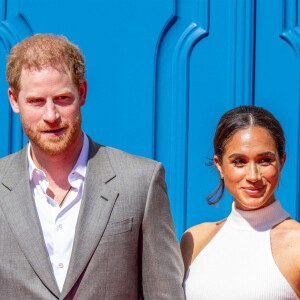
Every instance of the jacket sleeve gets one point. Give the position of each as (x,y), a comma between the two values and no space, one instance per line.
(161,264)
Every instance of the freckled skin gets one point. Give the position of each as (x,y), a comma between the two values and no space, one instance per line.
(251,168)
(49,106)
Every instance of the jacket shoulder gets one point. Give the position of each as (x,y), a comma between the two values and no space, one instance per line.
(127,165)
(14,158)
(130,159)
(120,159)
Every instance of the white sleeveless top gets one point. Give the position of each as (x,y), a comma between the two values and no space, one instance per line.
(238,262)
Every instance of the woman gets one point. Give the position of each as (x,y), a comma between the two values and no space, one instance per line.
(255,252)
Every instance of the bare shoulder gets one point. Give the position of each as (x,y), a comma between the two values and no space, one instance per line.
(201,233)
(196,238)
(285,241)
(287,231)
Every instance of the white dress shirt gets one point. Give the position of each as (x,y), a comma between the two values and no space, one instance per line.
(58,223)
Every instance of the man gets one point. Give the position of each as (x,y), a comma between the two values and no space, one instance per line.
(77,220)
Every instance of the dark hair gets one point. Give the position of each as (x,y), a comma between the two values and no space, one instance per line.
(240,118)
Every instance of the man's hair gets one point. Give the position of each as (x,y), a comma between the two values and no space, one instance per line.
(44,50)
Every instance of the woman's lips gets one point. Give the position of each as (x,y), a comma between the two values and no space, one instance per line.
(253,191)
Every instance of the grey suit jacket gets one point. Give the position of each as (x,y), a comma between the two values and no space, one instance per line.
(124,246)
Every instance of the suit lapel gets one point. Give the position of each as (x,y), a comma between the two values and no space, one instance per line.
(97,203)
(19,209)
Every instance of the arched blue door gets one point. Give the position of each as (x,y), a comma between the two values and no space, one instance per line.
(161,73)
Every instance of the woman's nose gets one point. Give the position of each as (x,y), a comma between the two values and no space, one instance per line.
(253,172)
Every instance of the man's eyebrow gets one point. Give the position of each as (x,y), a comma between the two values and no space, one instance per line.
(62,92)
(32,96)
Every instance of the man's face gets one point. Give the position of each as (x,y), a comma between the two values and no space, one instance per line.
(49,106)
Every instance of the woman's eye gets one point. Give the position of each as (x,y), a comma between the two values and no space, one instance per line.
(265,161)
(239,162)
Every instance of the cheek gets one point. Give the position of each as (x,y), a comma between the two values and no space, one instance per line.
(69,113)
(234,174)
(271,174)
(31,117)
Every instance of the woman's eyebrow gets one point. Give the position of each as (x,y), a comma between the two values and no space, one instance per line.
(237,155)
(267,153)
(259,154)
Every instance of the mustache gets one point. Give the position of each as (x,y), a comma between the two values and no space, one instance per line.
(54,126)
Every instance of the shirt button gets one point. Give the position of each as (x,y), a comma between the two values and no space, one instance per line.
(60,265)
(60,227)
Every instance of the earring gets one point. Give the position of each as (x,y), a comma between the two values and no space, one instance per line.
(222,177)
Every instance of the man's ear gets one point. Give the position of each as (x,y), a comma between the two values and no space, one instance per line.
(219,166)
(83,93)
(13,101)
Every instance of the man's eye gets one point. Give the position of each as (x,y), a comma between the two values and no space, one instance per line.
(239,162)
(35,101)
(62,98)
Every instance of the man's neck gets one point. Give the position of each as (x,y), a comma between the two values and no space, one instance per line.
(57,167)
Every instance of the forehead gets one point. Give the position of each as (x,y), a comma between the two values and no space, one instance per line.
(44,77)
(253,138)
(57,68)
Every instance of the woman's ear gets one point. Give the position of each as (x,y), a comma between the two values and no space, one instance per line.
(219,166)
(282,160)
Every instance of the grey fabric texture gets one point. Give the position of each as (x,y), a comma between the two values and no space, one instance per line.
(125,245)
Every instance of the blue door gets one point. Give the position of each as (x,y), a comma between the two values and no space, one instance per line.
(160,75)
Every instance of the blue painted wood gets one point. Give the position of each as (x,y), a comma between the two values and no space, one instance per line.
(241,16)
(119,40)
(277,85)
(188,27)
(221,77)
(13,28)
(161,74)
(2,10)
(291,34)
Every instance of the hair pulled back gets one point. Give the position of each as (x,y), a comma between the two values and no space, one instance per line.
(237,119)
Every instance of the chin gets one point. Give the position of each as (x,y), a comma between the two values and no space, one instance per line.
(56,145)
(54,150)
(253,204)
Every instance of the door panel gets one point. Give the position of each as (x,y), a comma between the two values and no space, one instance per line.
(161,74)
(277,85)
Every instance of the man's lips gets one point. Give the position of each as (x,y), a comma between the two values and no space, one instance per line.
(54,131)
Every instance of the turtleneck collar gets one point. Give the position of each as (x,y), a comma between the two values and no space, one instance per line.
(258,220)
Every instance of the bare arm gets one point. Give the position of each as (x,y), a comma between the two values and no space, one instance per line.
(285,241)
(195,239)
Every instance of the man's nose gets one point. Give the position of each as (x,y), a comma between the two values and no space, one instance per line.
(50,114)
(253,172)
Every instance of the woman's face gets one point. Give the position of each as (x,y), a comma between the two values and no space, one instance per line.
(251,168)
